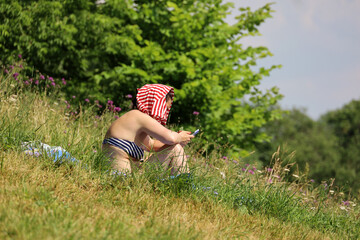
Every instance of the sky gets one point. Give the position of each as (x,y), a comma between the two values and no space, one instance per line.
(317,42)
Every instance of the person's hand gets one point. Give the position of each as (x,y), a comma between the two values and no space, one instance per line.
(185,137)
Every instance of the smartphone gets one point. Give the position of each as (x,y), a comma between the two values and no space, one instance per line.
(196,132)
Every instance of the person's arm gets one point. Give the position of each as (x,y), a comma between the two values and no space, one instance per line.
(162,134)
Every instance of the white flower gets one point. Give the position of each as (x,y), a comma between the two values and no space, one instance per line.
(331,191)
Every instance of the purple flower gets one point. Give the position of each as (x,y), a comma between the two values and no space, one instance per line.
(74,97)
(251,172)
(110,102)
(31,80)
(6,71)
(312,180)
(51,79)
(53,84)
(128,96)
(100,106)
(64,82)
(21,66)
(15,75)
(11,66)
(243,169)
(234,161)
(20,56)
(66,102)
(270,180)
(97,101)
(117,109)
(196,113)
(224,157)
(87,100)
(346,203)
(116,117)
(246,165)
(68,106)
(42,77)
(95,151)
(37,82)
(269,169)
(254,168)
(26,82)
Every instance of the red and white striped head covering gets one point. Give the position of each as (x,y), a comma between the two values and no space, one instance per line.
(151,100)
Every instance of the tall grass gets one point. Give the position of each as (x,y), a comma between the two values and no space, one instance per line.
(223,198)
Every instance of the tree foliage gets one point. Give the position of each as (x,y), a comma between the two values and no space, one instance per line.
(110,49)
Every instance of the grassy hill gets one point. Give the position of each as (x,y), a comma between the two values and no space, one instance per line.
(223,199)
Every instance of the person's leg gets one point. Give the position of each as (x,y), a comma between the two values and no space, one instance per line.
(172,157)
(119,159)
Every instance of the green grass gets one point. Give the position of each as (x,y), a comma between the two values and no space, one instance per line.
(221,200)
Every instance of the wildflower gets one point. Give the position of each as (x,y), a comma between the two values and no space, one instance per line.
(243,169)
(234,161)
(65,131)
(12,67)
(251,172)
(15,75)
(216,193)
(95,151)
(270,180)
(224,157)
(346,203)
(26,82)
(110,102)
(312,180)
(37,82)
(21,66)
(20,56)
(97,101)
(116,117)
(53,83)
(42,77)
(31,80)
(63,81)
(128,96)
(6,71)
(68,106)
(100,106)
(74,97)
(87,100)
(66,102)
(196,113)
(246,165)
(51,79)
(269,169)
(117,109)
(254,168)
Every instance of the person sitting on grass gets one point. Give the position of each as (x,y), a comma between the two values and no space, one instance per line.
(143,129)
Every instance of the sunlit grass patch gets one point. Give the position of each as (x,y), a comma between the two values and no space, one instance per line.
(222,198)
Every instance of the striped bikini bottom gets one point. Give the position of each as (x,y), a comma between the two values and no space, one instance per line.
(129,147)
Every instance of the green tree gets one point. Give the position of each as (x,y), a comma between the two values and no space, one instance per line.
(345,124)
(110,49)
(316,148)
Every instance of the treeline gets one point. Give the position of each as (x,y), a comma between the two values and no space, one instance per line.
(326,148)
